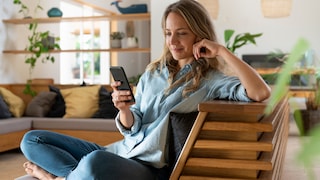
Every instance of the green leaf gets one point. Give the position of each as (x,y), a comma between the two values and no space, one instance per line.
(31,25)
(282,82)
(28,90)
(228,34)
(39,7)
(16,2)
(299,122)
(52,59)
(57,46)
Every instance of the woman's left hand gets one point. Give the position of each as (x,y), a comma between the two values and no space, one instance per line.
(206,48)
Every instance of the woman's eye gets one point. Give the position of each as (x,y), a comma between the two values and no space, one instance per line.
(168,34)
(182,33)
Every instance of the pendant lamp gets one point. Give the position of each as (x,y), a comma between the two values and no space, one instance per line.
(276,8)
(212,7)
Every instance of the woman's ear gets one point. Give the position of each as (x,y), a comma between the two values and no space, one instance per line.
(198,39)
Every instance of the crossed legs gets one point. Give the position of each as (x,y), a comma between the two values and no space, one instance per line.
(54,156)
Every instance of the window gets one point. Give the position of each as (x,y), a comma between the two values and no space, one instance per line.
(90,67)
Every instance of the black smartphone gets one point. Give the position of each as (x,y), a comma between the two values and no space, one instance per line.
(119,75)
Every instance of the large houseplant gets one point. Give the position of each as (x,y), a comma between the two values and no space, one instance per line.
(39,44)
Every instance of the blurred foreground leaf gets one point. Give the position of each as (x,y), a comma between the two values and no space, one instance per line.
(310,147)
(282,82)
(309,151)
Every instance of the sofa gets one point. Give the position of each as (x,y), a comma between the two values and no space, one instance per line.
(83,112)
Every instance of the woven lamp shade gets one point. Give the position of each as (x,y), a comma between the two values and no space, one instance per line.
(276,8)
(212,7)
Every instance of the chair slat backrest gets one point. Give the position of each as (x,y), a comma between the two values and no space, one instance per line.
(233,141)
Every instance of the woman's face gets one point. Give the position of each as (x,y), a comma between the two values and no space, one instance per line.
(179,39)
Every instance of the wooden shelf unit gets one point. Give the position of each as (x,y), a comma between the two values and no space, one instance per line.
(113,17)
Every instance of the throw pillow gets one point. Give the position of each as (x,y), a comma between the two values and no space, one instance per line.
(106,107)
(15,103)
(180,125)
(4,109)
(40,105)
(81,102)
(58,109)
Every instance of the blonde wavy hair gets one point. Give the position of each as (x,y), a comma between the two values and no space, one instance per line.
(199,22)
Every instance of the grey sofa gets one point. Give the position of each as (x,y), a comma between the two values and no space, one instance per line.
(99,130)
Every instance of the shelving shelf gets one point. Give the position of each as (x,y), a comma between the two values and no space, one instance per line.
(146,50)
(113,17)
(117,17)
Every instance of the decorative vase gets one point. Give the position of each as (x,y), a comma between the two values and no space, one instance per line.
(55,12)
(115,43)
(132,42)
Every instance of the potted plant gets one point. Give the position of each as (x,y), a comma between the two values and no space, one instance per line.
(239,40)
(310,117)
(134,79)
(39,45)
(115,39)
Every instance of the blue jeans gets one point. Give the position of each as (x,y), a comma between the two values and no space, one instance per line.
(76,159)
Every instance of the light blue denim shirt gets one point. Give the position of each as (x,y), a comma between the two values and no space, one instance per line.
(146,140)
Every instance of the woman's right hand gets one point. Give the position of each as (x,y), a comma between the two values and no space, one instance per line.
(119,97)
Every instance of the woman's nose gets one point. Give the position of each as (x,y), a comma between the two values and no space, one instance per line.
(173,39)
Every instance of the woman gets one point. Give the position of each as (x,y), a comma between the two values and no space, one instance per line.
(185,75)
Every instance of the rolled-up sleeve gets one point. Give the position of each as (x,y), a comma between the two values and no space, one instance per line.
(227,87)
(134,128)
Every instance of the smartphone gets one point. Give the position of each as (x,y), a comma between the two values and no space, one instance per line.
(119,75)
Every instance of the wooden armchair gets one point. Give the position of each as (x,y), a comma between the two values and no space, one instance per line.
(235,141)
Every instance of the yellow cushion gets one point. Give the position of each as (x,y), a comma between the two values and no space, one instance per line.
(81,102)
(15,103)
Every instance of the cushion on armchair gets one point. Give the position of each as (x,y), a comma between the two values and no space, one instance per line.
(180,125)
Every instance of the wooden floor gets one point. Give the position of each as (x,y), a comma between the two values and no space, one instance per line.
(11,165)
(292,169)
(11,162)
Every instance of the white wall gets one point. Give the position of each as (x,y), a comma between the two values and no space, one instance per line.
(246,16)
(12,67)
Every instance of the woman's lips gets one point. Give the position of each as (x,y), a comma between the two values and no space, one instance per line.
(177,50)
